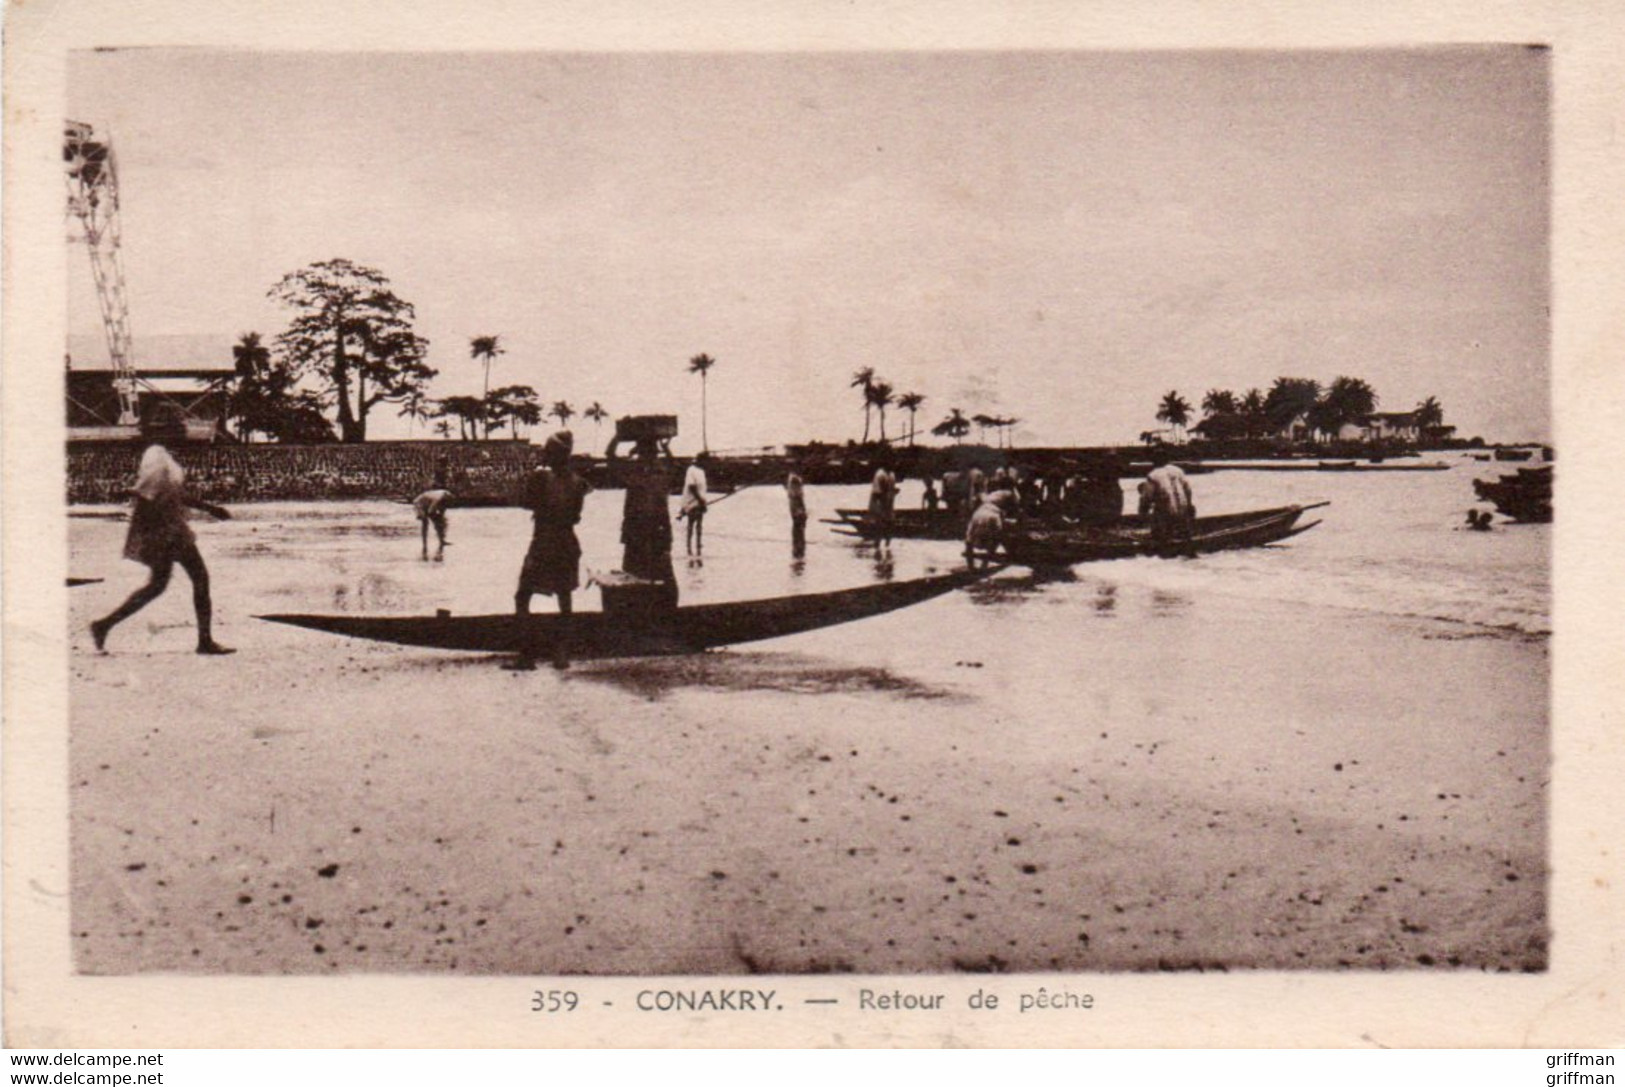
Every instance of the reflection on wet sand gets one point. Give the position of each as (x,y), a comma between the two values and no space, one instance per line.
(786,673)
(1165,604)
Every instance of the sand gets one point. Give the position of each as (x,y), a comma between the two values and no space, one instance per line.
(1034,777)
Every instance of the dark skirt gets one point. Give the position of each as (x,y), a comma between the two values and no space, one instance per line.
(553,563)
(158,533)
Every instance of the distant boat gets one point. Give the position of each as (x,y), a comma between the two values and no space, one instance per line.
(1524,495)
(597,635)
(1514,454)
(1065,547)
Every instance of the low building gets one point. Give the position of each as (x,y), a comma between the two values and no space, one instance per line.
(1392,426)
(191,372)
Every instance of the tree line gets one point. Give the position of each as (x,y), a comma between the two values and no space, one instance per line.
(1289,401)
(349,349)
(878,394)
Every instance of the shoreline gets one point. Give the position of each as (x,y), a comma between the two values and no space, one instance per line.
(625,818)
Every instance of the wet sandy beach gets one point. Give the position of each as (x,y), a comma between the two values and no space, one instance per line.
(1098,773)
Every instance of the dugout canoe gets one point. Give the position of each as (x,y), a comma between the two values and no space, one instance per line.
(1045,547)
(690,629)
(918,524)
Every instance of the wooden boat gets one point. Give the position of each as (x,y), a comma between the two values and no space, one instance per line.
(75,582)
(907,524)
(1064,547)
(1524,495)
(941,525)
(597,634)
(1514,454)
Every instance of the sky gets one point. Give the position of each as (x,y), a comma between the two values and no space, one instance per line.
(1060,236)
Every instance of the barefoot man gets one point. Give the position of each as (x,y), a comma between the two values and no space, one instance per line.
(554,495)
(431,510)
(159,537)
(694,505)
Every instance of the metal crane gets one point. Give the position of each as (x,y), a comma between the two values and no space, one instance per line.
(93,202)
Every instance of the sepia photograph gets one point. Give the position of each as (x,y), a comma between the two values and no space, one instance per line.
(756,517)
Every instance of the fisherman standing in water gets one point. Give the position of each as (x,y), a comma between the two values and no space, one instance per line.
(159,537)
(646,536)
(694,503)
(795,491)
(882,505)
(554,495)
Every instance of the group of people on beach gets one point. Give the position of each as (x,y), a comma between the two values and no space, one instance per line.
(554,493)
(160,537)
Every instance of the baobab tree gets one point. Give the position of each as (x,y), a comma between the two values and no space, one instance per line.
(353,336)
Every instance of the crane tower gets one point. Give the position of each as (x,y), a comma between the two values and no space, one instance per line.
(93,205)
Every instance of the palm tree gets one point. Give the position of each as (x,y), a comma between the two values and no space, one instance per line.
(251,355)
(982,420)
(863,379)
(562,411)
(956,426)
(1175,410)
(880,394)
(1252,411)
(701,364)
(1429,414)
(1219,402)
(1288,398)
(415,408)
(442,427)
(470,413)
(1347,400)
(910,402)
(487,348)
(253,359)
(1004,424)
(597,414)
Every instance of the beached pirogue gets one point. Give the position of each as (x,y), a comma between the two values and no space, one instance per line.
(617,632)
(1064,546)
(1051,542)
(1524,495)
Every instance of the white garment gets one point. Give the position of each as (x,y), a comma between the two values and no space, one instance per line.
(1173,490)
(160,475)
(694,485)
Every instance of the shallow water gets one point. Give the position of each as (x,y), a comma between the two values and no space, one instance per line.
(1388,544)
